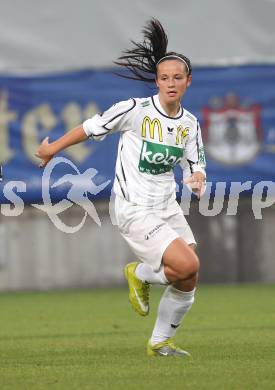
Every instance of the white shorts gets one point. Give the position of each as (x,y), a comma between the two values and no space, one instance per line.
(149,231)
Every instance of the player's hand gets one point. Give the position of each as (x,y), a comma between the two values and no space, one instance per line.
(196,182)
(44,152)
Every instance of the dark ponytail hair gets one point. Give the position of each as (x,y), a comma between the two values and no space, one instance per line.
(143,58)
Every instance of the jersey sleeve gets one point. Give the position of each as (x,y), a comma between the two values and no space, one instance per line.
(116,118)
(194,154)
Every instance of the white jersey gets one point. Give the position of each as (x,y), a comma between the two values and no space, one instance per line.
(151,144)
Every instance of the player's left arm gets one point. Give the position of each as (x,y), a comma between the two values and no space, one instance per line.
(195,158)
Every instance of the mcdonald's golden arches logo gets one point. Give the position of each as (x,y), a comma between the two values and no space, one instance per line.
(151,125)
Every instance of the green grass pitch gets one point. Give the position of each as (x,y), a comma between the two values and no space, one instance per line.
(93,340)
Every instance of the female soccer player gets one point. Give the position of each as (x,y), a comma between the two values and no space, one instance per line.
(156,134)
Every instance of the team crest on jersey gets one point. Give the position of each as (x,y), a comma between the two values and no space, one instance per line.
(232,131)
(182,133)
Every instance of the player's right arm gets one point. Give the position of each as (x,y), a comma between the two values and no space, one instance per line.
(47,151)
(116,118)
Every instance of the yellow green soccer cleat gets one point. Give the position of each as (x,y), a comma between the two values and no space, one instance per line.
(166,348)
(138,291)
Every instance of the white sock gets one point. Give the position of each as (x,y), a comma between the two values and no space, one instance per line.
(174,304)
(146,274)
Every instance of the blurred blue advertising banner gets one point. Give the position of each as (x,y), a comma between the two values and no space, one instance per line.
(235,106)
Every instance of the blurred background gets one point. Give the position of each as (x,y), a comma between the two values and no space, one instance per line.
(56,70)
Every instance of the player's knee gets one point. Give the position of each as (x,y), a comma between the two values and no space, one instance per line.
(190,267)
